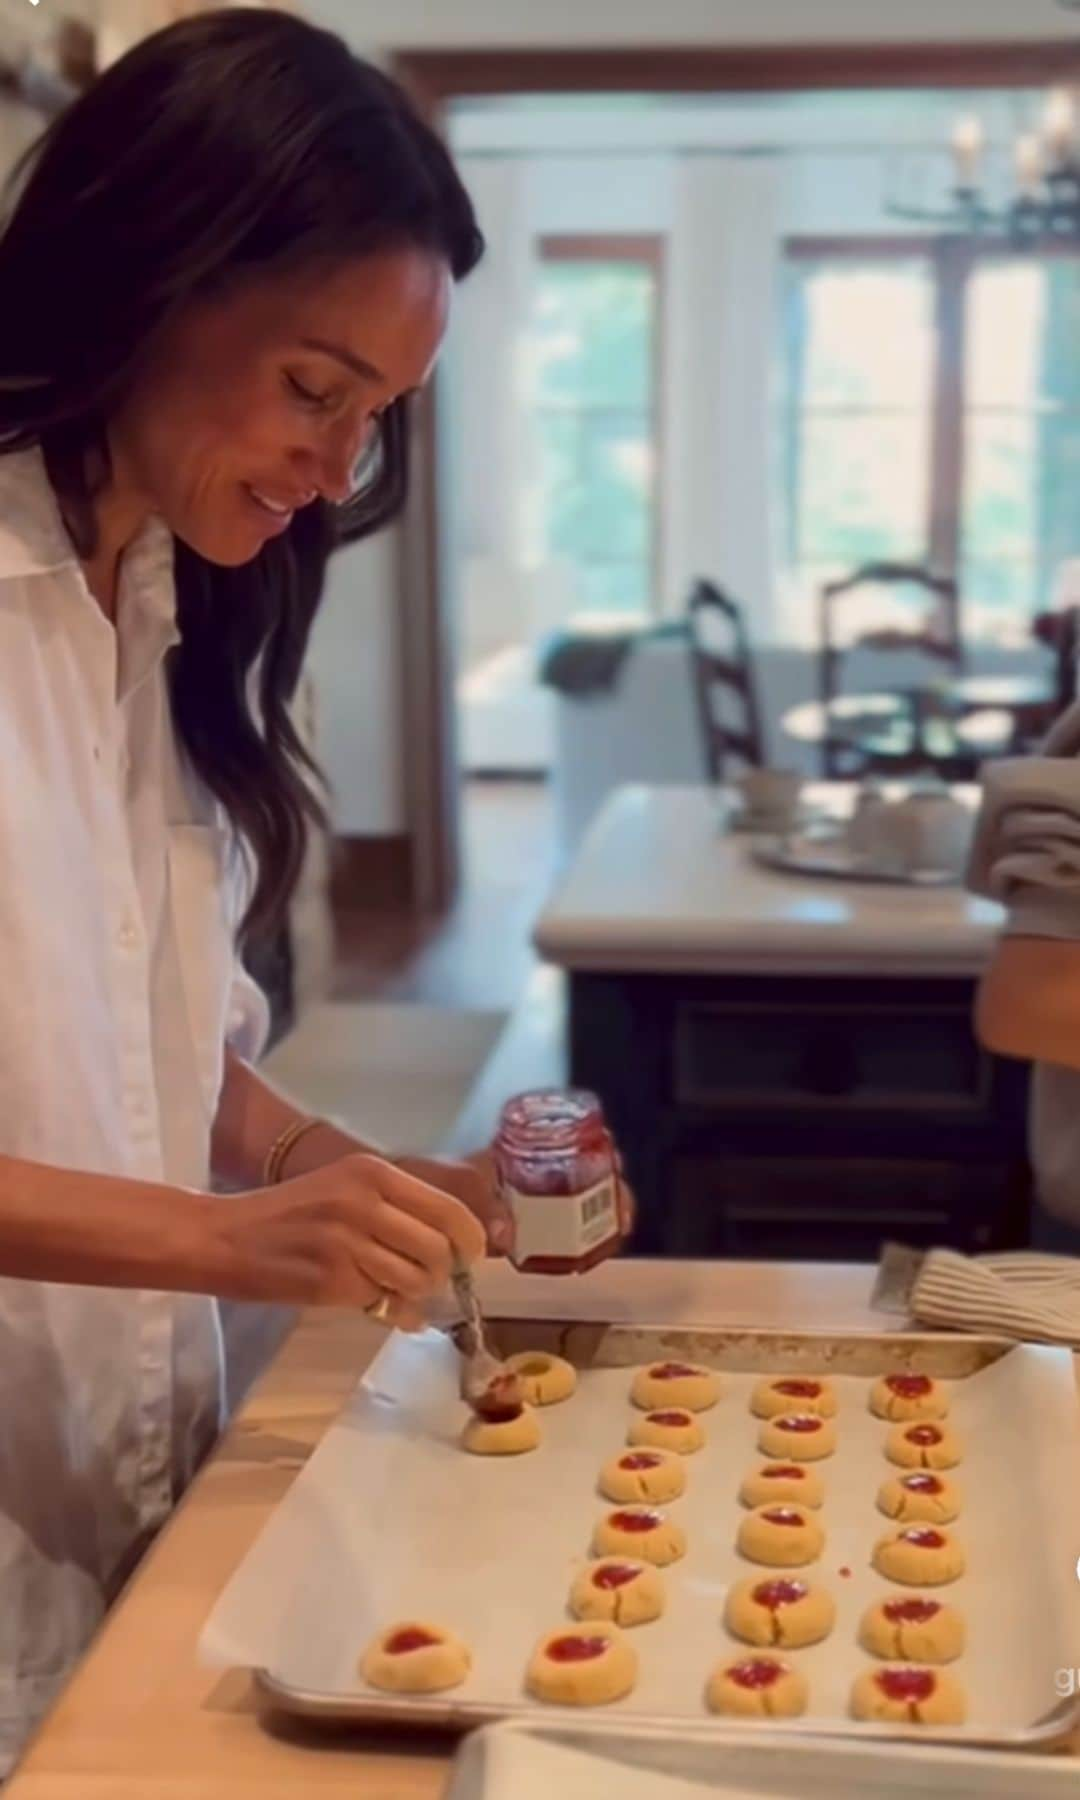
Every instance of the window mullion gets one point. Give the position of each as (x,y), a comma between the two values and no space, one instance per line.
(952,268)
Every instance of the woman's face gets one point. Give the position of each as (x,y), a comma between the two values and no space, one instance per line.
(251,406)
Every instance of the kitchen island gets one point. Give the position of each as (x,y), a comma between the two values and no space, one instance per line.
(788,1062)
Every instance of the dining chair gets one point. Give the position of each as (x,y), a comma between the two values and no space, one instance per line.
(916,620)
(729,710)
(1060,633)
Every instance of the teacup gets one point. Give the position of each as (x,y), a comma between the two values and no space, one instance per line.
(771,795)
(924,830)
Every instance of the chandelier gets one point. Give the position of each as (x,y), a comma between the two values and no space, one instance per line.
(1045,198)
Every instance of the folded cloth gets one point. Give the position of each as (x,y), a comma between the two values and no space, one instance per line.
(1016,1294)
(1026,849)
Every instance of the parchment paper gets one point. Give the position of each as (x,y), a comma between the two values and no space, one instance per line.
(391,1520)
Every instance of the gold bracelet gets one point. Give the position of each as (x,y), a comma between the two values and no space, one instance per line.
(282,1144)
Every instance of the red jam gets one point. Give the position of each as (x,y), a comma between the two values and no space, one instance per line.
(498,1415)
(672,1371)
(553,1146)
(780,1593)
(910,1612)
(576,1649)
(845,1572)
(410,1637)
(673,1419)
(783,1515)
(923,1434)
(906,1684)
(909,1387)
(921,1484)
(756,1673)
(501,1399)
(799,1390)
(636,1521)
(615,1575)
(640,1459)
(799,1422)
(923,1537)
(784,1471)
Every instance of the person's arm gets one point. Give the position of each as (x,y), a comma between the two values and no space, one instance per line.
(349,1235)
(1026,856)
(106,1231)
(1029,1001)
(252,1115)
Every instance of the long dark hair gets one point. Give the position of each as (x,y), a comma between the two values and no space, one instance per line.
(237,142)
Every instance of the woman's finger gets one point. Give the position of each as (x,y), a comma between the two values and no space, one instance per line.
(393,1273)
(449,1217)
(412,1239)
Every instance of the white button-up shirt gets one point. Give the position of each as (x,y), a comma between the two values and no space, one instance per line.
(119,895)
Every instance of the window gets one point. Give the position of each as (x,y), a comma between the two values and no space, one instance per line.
(1021,498)
(593,341)
(934,417)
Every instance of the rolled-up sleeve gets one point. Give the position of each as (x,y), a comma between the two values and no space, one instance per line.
(1026,850)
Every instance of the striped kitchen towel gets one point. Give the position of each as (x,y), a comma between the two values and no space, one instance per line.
(1016,1294)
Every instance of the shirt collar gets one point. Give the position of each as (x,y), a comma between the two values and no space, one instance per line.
(32,535)
(35,541)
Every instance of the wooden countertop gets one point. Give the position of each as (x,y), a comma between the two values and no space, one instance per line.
(659,887)
(141,1718)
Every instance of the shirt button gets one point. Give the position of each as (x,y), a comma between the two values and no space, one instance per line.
(128,934)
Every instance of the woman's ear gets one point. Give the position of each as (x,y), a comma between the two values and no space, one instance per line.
(1028,1003)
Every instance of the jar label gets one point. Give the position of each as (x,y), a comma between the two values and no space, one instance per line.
(567,1225)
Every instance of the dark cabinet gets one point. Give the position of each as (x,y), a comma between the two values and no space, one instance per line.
(804,1116)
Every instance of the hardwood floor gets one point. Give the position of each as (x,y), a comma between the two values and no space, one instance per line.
(479,955)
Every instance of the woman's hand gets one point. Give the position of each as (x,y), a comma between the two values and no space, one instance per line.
(473,1182)
(344,1235)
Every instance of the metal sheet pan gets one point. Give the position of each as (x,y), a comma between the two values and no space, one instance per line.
(389,1520)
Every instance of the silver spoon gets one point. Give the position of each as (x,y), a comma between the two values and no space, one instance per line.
(487,1385)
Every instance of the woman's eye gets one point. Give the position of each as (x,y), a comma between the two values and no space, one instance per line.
(308,396)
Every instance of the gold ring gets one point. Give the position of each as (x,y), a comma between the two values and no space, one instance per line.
(379,1309)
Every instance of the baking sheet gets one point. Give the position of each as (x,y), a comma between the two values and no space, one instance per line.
(390,1520)
(532,1762)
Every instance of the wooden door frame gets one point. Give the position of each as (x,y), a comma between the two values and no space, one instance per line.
(437,77)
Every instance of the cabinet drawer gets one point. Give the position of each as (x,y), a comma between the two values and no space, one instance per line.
(835,1209)
(742,1055)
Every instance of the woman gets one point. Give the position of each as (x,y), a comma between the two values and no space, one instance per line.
(226,268)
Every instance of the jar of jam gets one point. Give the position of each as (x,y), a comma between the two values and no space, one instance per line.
(558,1174)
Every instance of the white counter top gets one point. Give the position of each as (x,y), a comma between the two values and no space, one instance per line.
(658,886)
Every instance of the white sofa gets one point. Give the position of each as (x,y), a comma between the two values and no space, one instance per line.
(643,728)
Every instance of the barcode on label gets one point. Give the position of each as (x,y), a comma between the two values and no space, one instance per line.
(595,1204)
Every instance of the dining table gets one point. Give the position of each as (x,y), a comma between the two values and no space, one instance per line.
(951,727)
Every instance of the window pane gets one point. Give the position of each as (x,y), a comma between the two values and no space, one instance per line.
(861,359)
(615,587)
(1001,480)
(869,336)
(998,597)
(592,333)
(1005,320)
(1022,437)
(591,356)
(862,492)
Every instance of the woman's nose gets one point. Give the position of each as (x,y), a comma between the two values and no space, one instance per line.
(338,461)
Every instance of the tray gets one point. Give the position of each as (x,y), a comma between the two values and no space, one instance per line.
(389,1520)
(527,1761)
(825,852)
